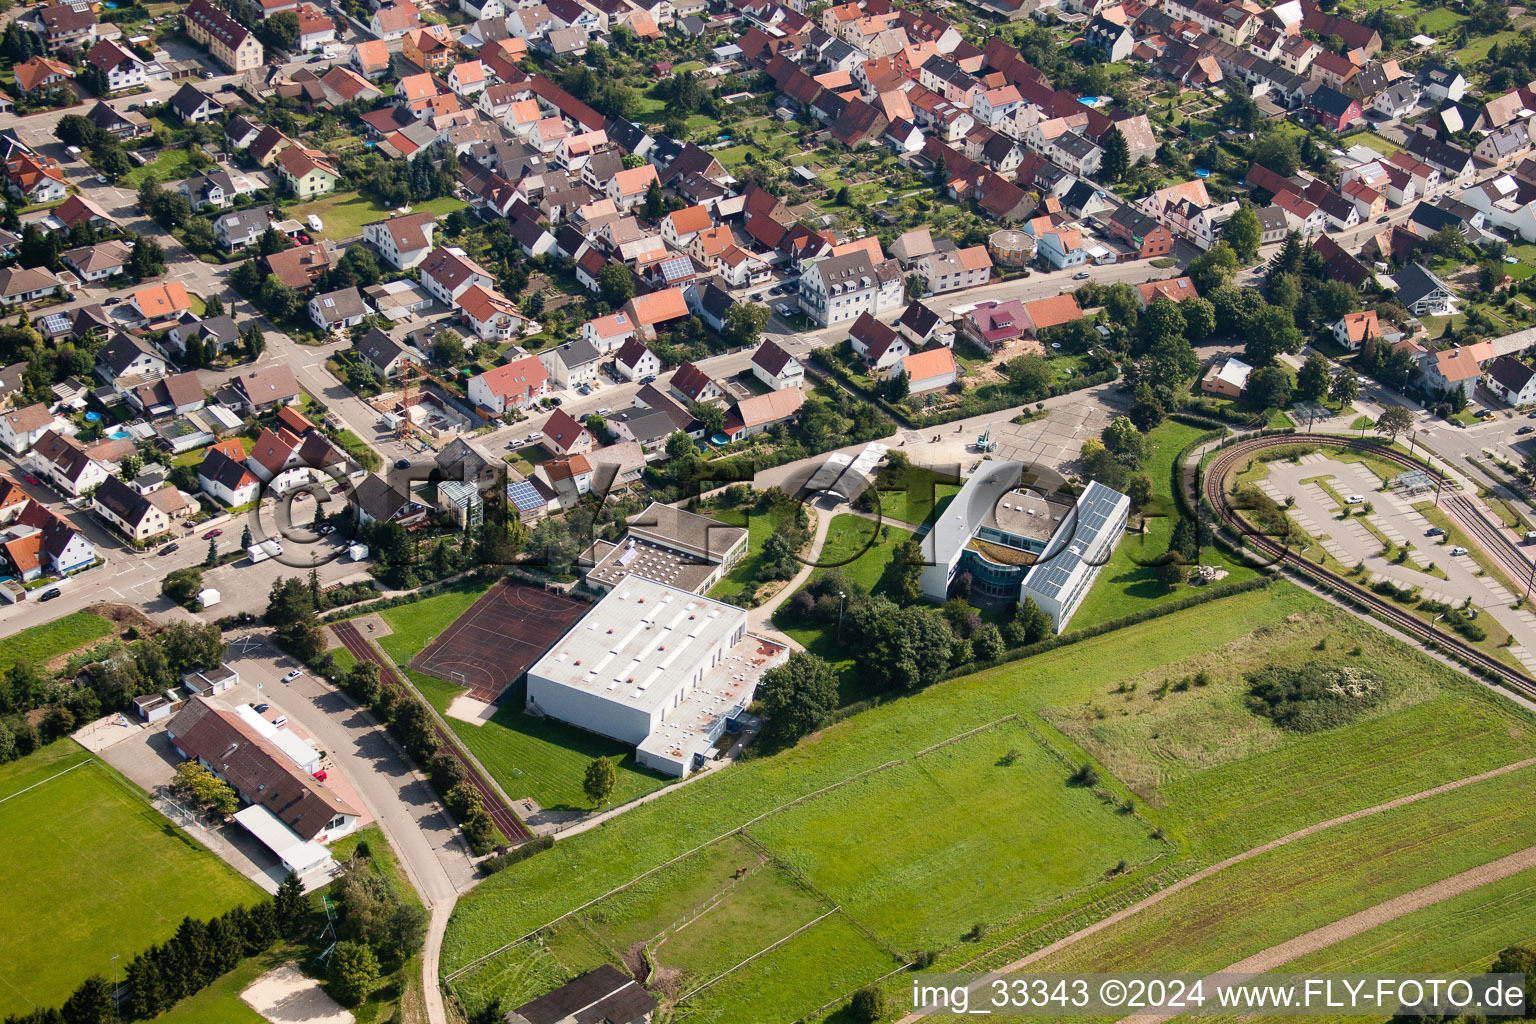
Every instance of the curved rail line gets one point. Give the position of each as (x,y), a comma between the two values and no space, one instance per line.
(1213,487)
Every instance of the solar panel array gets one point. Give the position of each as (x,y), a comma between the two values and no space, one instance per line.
(1077,538)
(524,496)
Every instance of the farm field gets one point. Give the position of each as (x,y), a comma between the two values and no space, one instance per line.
(43,643)
(874,851)
(1228,780)
(1313,881)
(95,846)
(1463,934)
(1377,756)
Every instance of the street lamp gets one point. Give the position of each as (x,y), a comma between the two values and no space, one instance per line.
(115,1014)
(841,596)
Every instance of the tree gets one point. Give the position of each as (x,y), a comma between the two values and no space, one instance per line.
(1146,412)
(744,323)
(903,648)
(193,353)
(615,284)
(797,696)
(353,972)
(255,341)
(599,781)
(1269,387)
(291,904)
(91,1003)
(1121,438)
(1345,387)
(448,349)
(1199,318)
(1275,151)
(363,683)
(905,572)
(281,31)
(897,386)
(1270,333)
(1029,376)
(868,1004)
(1519,960)
(212,557)
(1312,379)
(146,259)
(1213,268)
(655,203)
(1116,160)
(1394,420)
(1037,624)
(711,415)
(113,162)
(214,306)
(183,585)
(1242,231)
(203,789)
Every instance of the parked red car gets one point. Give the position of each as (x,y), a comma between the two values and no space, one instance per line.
(320,774)
(212,534)
(32,479)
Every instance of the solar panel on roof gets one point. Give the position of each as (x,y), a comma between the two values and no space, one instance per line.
(523,495)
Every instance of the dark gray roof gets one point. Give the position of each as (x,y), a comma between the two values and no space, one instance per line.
(122,501)
(187,100)
(605,994)
(1414,282)
(578,353)
(1511,373)
(121,350)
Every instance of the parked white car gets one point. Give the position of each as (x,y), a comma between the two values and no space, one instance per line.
(1354,499)
(1458,550)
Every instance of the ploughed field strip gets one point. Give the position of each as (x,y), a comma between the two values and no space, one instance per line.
(491,645)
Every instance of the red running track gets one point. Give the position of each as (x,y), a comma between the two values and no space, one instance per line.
(502,815)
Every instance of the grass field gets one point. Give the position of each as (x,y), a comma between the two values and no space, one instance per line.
(867,845)
(876,851)
(1314,881)
(1228,779)
(344,213)
(1128,582)
(915,498)
(94,868)
(528,756)
(41,644)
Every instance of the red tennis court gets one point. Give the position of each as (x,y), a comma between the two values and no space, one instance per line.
(491,645)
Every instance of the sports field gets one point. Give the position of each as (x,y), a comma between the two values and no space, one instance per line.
(528,756)
(1016,850)
(91,865)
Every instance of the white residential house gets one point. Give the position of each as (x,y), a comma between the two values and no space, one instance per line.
(448,272)
(776,368)
(636,362)
(838,288)
(403,241)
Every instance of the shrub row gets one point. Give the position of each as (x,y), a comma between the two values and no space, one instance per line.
(499,861)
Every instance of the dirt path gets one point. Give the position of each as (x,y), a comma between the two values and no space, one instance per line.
(1347,927)
(1219,866)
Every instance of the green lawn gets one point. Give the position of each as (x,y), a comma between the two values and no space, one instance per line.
(860,547)
(1383,146)
(92,870)
(913,499)
(41,644)
(1314,881)
(745,577)
(169,166)
(529,757)
(1218,782)
(1128,582)
(344,213)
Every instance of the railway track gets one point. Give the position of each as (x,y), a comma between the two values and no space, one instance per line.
(1213,487)
(1492,539)
(502,815)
